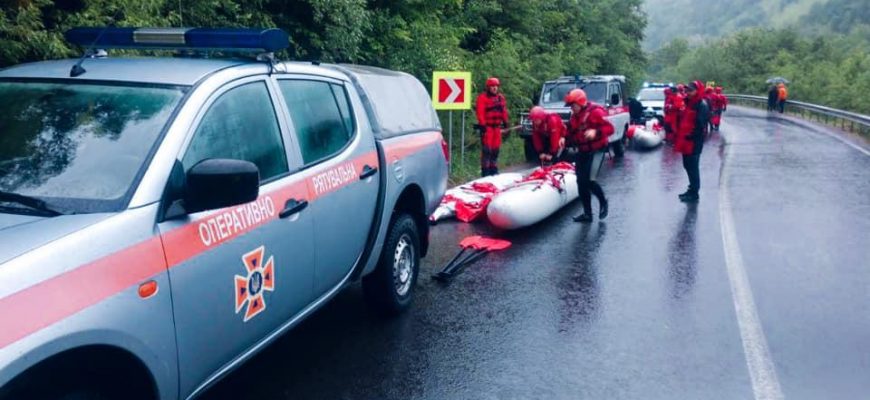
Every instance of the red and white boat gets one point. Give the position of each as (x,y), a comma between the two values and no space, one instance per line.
(536,197)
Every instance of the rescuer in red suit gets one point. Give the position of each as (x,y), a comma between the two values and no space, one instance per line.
(588,131)
(715,107)
(548,133)
(690,137)
(719,106)
(492,116)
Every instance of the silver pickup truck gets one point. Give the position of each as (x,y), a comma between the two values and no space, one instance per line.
(164,219)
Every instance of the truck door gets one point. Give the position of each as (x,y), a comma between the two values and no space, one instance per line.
(239,273)
(341,163)
(617,110)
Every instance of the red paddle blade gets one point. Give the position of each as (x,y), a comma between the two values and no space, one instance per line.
(484,243)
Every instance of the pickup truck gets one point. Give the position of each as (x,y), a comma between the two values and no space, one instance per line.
(164,219)
(606,90)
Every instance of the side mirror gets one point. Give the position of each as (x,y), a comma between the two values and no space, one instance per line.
(218,183)
(614,99)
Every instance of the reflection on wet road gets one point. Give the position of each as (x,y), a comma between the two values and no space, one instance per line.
(637,306)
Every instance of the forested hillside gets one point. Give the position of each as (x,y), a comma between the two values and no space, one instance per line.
(825,53)
(523,42)
(832,70)
(699,20)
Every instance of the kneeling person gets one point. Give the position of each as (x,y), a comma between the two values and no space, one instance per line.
(548,134)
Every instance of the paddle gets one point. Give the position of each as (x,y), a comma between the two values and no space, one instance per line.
(473,248)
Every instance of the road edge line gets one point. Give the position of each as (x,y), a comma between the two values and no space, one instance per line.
(762,372)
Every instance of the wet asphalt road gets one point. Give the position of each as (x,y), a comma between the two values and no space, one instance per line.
(636,307)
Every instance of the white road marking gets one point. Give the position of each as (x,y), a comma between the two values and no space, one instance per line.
(762,372)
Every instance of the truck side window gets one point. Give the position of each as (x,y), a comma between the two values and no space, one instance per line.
(344,107)
(323,121)
(614,90)
(241,124)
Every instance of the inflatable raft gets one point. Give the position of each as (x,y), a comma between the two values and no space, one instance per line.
(536,197)
(469,201)
(646,137)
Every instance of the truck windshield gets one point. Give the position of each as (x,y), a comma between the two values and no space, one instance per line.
(554,93)
(651,95)
(79,147)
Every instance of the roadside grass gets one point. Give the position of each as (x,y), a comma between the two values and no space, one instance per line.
(464,170)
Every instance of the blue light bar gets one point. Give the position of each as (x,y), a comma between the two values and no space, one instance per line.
(226,39)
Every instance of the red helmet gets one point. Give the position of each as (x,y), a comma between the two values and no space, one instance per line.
(708,90)
(576,96)
(681,88)
(492,81)
(668,91)
(718,89)
(537,113)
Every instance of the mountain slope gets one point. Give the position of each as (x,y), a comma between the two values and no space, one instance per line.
(698,20)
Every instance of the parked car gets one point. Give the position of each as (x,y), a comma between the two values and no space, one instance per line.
(164,219)
(653,100)
(606,90)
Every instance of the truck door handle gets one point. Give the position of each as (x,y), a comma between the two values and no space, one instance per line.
(292,206)
(367,172)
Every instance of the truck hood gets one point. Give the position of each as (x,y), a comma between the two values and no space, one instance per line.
(22,233)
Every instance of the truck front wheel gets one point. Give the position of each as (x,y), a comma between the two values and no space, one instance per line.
(389,289)
(619,147)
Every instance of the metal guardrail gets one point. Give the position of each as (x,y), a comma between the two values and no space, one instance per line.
(863,121)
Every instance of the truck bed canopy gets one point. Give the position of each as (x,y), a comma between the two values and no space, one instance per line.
(396,103)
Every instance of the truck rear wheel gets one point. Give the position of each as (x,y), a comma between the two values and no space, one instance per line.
(619,147)
(389,289)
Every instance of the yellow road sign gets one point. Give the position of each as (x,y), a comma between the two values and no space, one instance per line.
(451,90)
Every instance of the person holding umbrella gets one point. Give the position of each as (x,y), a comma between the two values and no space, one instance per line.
(782,96)
(772,97)
(777,94)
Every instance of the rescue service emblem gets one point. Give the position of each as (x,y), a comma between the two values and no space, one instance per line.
(260,277)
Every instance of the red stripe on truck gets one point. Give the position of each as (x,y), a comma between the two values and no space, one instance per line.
(29,310)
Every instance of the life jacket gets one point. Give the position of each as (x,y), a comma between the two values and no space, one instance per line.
(491,109)
(590,118)
(688,132)
(783,93)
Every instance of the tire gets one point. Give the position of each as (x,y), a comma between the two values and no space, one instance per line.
(619,147)
(531,154)
(389,289)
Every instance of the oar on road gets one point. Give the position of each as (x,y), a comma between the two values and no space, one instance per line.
(479,247)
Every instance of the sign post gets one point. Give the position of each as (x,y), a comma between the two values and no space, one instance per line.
(462,141)
(450,139)
(451,90)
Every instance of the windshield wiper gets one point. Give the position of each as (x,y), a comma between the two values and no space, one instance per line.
(29,201)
